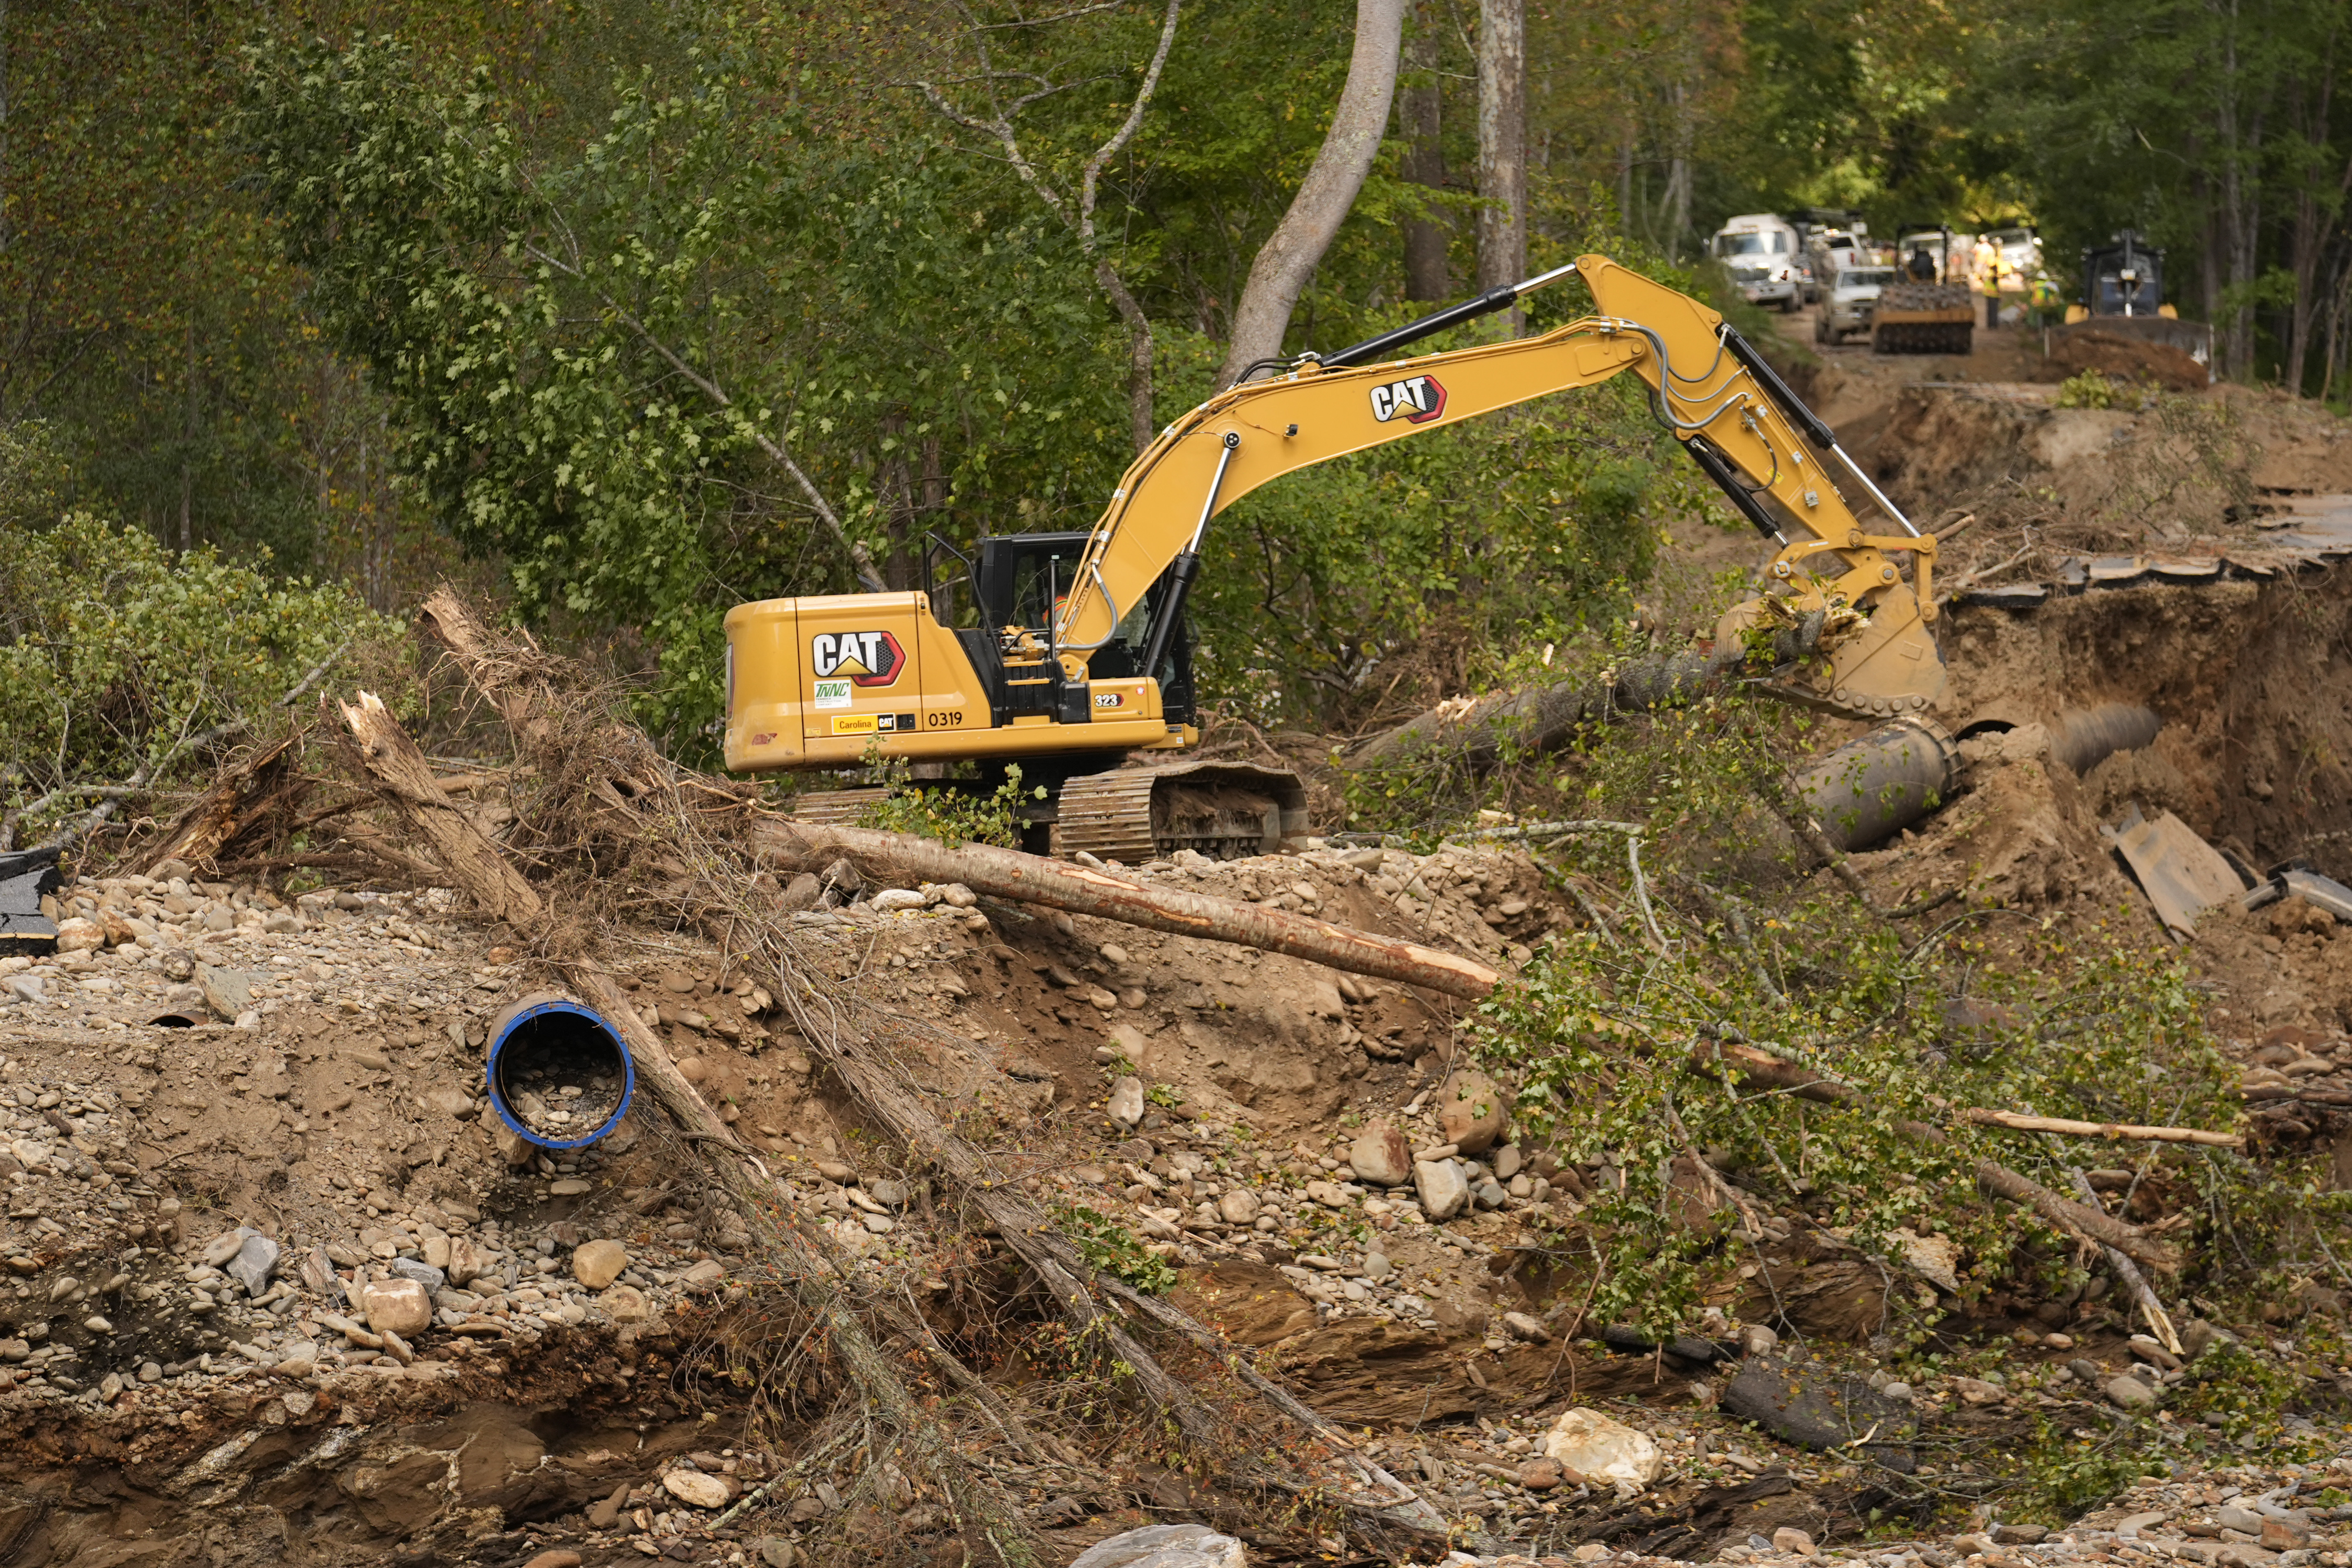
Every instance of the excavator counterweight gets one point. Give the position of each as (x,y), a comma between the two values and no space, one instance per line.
(1078,667)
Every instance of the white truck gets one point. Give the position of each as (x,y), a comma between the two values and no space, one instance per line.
(1765,257)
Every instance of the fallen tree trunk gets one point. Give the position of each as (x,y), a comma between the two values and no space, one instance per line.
(1081,889)
(406,779)
(1749,1066)
(1548,718)
(1377,1500)
(244,798)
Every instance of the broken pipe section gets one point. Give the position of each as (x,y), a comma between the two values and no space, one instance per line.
(1872,789)
(2083,738)
(558,1074)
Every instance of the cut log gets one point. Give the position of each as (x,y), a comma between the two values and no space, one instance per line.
(1544,720)
(1081,889)
(1748,1066)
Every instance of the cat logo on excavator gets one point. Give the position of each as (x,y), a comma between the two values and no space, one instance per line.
(868,658)
(1419,398)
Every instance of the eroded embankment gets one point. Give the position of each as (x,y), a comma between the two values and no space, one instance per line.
(2252,680)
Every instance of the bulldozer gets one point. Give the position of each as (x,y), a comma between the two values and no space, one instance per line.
(2123,295)
(1080,669)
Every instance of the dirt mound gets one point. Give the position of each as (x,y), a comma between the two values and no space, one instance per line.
(2123,356)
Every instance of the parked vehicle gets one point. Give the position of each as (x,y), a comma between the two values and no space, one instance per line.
(1829,251)
(1850,302)
(1763,255)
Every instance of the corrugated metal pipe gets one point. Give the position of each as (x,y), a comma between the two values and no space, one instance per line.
(1871,789)
(2086,737)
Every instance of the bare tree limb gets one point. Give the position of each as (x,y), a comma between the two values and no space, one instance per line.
(2142,1293)
(2024,1124)
(1748,1065)
(1061,885)
(1079,212)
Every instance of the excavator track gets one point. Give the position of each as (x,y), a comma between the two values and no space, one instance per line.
(1225,810)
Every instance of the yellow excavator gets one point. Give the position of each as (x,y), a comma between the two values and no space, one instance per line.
(1082,659)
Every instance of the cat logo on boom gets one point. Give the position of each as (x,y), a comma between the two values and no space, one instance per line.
(868,658)
(1419,398)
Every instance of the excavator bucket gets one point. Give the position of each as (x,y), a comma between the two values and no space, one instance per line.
(1882,667)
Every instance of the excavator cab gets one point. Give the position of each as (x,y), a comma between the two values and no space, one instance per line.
(1020,583)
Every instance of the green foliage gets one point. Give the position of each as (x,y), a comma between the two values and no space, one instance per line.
(597,359)
(36,471)
(114,652)
(2091,389)
(1113,1249)
(953,812)
(1602,1034)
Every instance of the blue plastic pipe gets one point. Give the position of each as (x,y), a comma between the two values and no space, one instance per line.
(551,1030)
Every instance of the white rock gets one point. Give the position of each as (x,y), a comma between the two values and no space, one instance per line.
(1127,1102)
(697,1489)
(79,935)
(1441,1188)
(1932,1257)
(1238,1207)
(1165,1546)
(1603,1449)
(891,900)
(397,1306)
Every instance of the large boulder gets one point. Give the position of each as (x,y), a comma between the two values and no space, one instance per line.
(398,1305)
(596,1264)
(1472,1111)
(1603,1450)
(1439,1187)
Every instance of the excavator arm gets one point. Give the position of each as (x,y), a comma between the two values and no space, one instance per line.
(1780,465)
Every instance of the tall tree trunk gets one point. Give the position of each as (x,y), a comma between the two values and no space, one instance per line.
(1626,183)
(2315,225)
(188,445)
(1290,255)
(1502,143)
(2210,271)
(1426,238)
(1679,169)
(2237,206)
(3,126)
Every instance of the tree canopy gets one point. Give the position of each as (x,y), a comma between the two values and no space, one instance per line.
(644,311)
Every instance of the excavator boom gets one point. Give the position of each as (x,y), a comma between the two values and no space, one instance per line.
(1081,657)
(1715,394)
